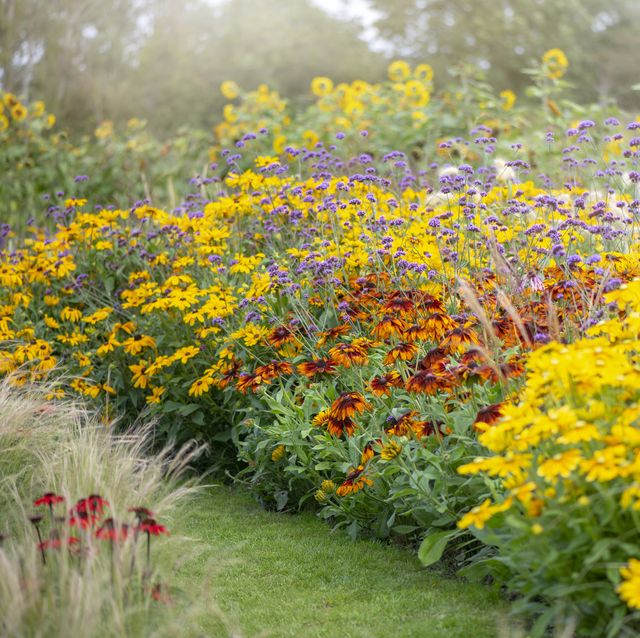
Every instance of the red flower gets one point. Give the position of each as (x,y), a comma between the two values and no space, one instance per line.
(94,503)
(48,499)
(142,512)
(109,531)
(150,526)
(83,520)
(57,543)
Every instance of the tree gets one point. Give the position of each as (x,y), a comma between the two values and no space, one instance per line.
(599,38)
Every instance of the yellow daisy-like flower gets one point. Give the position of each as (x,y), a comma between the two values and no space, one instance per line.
(508,99)
(4,123)
(156,394)
(321,86)
(278,453)
(201,386)
(399,71)
(479,515)
(70,314)
(423,72)
(629,588)
(230,89)
(18,112)
(555,63)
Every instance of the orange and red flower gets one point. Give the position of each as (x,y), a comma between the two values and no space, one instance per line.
(347,404)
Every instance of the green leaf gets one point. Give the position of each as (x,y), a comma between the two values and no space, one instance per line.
(433,546)
(404,529)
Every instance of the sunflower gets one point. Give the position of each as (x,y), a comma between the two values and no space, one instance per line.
(347,404)
(321,86)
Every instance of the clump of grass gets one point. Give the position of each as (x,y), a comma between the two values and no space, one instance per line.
(95,587)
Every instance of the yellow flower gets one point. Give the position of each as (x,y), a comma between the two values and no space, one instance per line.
(480,514)
(156,394)
(508,99)
(560,465)
(321,86)
(18,112)
(136,344)
(390,451)
(328,486)
(310,138)
(73,202)
(279,144)
(70,314)
(278,453)
(201,386)
(141,374)
(104,130)
(606,465)
(230,89)
(629,588)
(555,63)
(184,354)
(398,71)
(229,113)
(4,123)
(423,72)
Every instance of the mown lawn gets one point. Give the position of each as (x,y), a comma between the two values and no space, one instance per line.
(275,575)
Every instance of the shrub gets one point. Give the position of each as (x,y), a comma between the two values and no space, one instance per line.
(564,471)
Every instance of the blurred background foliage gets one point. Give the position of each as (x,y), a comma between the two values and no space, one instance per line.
(163,60)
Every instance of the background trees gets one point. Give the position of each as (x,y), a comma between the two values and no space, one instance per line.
(164,59)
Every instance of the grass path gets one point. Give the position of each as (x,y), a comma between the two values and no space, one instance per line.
(275,575)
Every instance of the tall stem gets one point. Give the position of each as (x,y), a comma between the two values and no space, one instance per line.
(44,558)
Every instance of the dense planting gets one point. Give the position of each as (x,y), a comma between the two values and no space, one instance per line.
(355,323)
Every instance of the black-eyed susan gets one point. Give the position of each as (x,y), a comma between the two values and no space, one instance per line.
(348,404)
(402,352)
(348,354)
(316,367)
(355,480)
(382,385)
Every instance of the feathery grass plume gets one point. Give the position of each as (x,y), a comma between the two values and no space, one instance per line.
(90,592)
